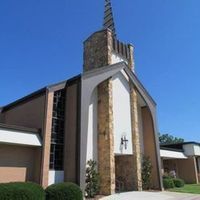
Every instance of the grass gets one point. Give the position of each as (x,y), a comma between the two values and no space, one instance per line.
(188,188)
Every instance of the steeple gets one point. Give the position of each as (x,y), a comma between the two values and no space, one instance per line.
(103,48)
(108,17)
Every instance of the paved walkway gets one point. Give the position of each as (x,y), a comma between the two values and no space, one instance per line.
(152,196)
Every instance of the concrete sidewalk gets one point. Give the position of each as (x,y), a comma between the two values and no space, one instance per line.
(152,196)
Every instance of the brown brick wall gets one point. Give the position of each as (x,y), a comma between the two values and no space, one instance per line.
(2,118)
(71,151)
(150,146)
(19,163)
(29,114)
(182,167)
(187,170)
(124,171)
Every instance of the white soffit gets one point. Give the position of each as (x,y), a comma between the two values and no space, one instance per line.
(19,138)
(172,154)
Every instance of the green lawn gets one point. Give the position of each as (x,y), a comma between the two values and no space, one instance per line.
(188,188)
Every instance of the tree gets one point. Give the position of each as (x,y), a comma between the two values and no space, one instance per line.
(169,139)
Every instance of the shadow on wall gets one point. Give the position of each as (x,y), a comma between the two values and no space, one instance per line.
(19,163)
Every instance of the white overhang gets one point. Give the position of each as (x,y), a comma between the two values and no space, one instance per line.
(172,154)
(17,137)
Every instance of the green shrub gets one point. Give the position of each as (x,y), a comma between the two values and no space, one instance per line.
(21,191)
(64,191)
(146,173)
(168,183)
(166,176)
(178,182)
(92,179)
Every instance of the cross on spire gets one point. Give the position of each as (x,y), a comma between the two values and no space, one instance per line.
(108,17)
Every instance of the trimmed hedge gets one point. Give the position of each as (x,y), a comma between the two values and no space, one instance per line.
(21,191)
(64,191)
(178,182)
(168,183)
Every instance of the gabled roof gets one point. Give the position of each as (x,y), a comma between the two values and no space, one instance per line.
(42,91)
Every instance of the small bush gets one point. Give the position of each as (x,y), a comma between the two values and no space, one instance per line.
(146,173)
(64,191)
(168,183)
(178,182)
(21,191)
(92,179)
(166,176)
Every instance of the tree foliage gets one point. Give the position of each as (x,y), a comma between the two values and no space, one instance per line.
(169,139)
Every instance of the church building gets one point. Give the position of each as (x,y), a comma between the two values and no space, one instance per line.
(104,114)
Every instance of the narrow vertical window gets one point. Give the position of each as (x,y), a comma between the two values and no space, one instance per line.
(57,135)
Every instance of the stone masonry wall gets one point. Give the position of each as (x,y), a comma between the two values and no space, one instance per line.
(97,50)
(137,167)
(106,161)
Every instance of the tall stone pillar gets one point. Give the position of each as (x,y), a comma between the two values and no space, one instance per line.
(97,54)
(106,159)
(137,160)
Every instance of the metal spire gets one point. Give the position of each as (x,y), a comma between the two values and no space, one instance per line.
(108,17)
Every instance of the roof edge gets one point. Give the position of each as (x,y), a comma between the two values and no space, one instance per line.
(171,149)
(19,128)
(180,143)
(39,92)
(23,99)
(142,86)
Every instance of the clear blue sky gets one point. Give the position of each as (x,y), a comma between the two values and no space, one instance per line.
(41,43)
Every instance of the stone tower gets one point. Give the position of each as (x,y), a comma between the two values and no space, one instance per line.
(101,49)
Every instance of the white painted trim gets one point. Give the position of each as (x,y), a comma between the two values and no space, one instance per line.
(116,58)
(55,177)
(121,114)
(191,149)
(90,80)
(92,153)
(172,154)
(19,138)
